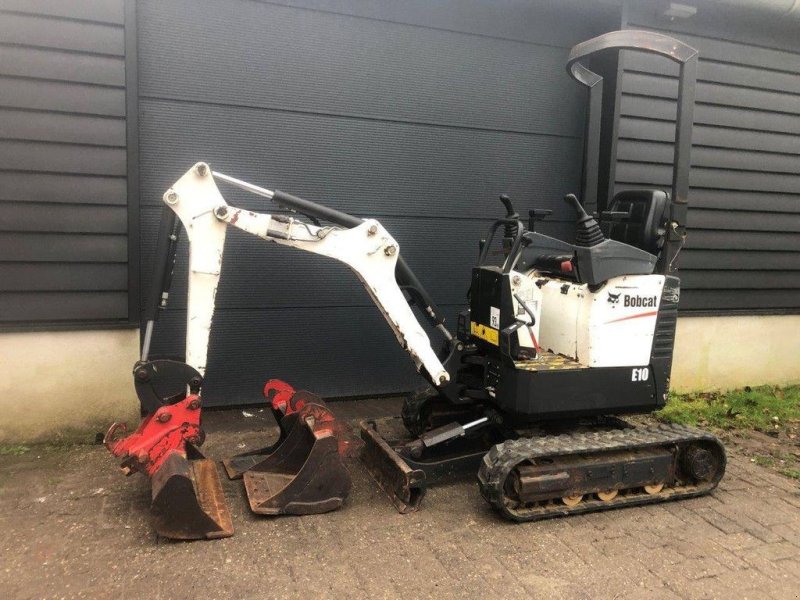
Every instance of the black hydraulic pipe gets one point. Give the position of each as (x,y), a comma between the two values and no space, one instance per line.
(403,273)
(164,265)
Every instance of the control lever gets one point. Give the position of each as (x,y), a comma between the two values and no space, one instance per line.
(510,230)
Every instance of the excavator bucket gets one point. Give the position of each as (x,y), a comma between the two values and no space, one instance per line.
(303,472)
(305,475)
(188,502)
(187,498)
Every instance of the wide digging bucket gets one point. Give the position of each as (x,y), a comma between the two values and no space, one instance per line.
(404,485)
(188,502)
(304,475)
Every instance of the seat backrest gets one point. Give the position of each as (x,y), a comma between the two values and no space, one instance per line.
(644,225)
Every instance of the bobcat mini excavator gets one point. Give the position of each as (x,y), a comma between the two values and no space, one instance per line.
(558,342)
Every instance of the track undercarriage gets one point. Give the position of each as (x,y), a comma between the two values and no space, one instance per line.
(550,470)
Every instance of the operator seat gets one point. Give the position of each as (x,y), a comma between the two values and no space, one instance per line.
(639,219)
(597,258)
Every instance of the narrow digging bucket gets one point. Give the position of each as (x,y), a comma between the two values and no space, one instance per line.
(404,485)
(188,501)
(304,475)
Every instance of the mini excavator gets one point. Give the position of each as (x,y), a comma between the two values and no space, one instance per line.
(558,343)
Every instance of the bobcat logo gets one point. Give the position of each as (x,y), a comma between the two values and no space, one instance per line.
(614,298)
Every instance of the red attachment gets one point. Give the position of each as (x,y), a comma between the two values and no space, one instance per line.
(285,399)
(566,266)
(159,434)
(279,393)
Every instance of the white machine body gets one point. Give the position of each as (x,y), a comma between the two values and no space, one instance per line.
(610,327)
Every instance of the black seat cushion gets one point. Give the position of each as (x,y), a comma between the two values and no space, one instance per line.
(644,225)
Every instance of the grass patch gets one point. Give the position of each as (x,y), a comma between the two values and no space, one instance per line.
(17,450)
(764,408)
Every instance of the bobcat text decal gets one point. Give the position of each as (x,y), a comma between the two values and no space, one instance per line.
(640,301)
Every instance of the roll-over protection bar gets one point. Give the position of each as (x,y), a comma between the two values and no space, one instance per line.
(654,43)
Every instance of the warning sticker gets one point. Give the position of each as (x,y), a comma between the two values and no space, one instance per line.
(494,317)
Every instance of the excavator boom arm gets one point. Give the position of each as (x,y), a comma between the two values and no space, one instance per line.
(368,249)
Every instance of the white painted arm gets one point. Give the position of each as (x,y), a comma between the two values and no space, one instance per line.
(368,249)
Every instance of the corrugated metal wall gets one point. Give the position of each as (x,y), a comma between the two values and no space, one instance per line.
(64,249)
(743,249)
(416,113)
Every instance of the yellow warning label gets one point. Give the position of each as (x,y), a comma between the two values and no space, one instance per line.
(485,333)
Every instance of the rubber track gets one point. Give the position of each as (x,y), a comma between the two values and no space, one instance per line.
(502,458)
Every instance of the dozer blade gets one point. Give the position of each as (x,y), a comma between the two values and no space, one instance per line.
(405,486)
(304,475)
(188,502)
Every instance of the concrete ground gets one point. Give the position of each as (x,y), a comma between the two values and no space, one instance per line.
(73,527)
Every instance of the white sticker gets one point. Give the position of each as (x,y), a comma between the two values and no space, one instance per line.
(494,317)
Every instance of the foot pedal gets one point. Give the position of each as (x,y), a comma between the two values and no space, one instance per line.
(405,486)
(188,501)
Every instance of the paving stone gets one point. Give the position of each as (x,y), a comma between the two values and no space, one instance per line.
(73,527)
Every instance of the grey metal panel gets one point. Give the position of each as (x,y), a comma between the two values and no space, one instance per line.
(62,66)
(33,30)
(743,240)
(63,218)
(548,23)
(64,251)
(738,200)
(737,260)
(52,187)
(60,247)
(104,11)
(62,306)
(723,116)
(743,248)
(61,158)
(713,93)
(60,127)
(731,220)
(366,167)
(727,179)
(706,279)
(761,77)
(62,96)
(358,67)
(709,135)
(335,351)
(744,300)
(737,52)
(735,159)
(32,276)
(418,114)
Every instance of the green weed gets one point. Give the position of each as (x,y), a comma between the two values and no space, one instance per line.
(764,408)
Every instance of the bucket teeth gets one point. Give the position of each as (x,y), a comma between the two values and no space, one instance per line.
(187,499)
